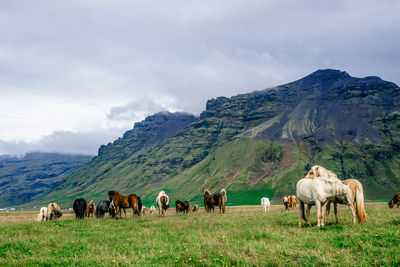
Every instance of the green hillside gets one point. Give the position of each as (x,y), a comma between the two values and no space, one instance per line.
(258,144)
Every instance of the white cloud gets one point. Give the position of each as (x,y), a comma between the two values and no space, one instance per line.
(96,66)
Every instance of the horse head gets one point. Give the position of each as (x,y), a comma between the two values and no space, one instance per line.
(207,191)
(345,195)
(391,204)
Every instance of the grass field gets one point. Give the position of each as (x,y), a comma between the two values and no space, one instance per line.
(243,236)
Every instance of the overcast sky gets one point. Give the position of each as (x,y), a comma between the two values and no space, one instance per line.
(78,74)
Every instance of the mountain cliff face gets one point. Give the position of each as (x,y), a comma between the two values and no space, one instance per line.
(23,179)
(258,144)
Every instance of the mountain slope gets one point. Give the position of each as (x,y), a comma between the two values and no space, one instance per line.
(23,179)
(348,124)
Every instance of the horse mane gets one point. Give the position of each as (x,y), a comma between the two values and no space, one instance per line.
(207,191)
(319,171)
(223,193)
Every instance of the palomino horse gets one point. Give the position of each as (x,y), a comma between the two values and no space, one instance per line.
(162,203)
(51,208)
(265,204)
(210,201)
(395,201)
(42,216)
(120,201)
(316,192)
(90,209)
(356,204)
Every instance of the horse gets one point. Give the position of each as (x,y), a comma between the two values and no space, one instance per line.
(182,206)
(51,207)
(120,201)
(152,209)
(195,208)
(42,216)
(90,209)
(356,204)
(286,203)
(316,192)
(395,201)
(265,204)
(162,203)
(210,201)
(292,201)
(319,171)
(79,208)
(145,210)
(102,208)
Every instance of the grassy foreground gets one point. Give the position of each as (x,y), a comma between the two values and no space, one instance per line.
(242,236)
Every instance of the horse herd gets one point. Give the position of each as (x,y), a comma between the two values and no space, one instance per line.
(320,187)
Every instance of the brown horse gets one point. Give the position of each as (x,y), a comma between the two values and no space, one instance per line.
(395,201)
(90,209)
(195,208)
(210,201)
(292,201)
(357,204)
(120,201)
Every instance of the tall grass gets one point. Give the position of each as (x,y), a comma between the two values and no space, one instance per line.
(242,236)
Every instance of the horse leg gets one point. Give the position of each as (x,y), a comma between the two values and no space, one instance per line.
(328,210)
(353,211)
(301,212)
(335,210)
(308,214)
(323,208)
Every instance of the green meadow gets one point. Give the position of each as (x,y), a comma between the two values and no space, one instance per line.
(244,236)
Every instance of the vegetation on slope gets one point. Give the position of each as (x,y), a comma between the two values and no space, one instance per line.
(23,179)
(264,141)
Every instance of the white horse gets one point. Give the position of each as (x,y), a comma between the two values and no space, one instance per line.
(162,203)
(42,216)
(318,191)
(265,204)
(152,209)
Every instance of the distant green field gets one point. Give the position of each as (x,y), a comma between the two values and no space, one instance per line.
(244,236)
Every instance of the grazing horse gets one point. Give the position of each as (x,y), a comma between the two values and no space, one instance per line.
(102,208)
(292,201)
(265,204)
(152,209)
(42,216)
(285,200)
(90,209)
(182,206)
(162,203)
(145,210)
(356,204)
(316,192)
(395,201)
(210,201)
(79,208)
(195,208)
(120,201)
(51,207)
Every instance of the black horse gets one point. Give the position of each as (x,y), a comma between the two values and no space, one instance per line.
(103,207)
(79,208)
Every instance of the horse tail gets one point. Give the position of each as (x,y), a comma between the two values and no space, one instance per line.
(303,215)
(164,203)
(139,204)
(360,207)
(223,193)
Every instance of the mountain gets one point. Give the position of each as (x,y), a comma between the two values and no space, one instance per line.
(23,179)
(258,144)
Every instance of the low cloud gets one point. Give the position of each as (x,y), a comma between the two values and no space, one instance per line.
(63,142)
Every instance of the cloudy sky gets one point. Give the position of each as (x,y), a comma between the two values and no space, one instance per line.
(77,74)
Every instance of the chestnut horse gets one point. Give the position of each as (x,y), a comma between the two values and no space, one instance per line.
(120,201)
(395,201)
(210,201)
(90,209)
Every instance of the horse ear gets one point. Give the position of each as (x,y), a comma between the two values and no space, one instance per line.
(316,171)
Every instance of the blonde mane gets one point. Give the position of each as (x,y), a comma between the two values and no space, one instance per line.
(321,172)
